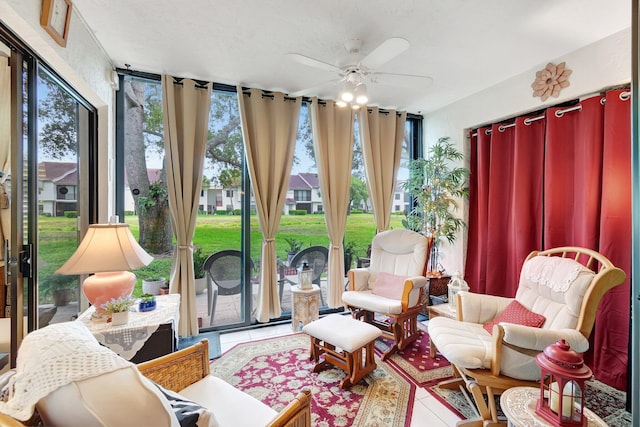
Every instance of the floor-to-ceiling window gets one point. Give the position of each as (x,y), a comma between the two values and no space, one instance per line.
(227,232)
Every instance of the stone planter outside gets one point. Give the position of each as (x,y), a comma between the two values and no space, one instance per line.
(152,286)
(201,285)
(62,297)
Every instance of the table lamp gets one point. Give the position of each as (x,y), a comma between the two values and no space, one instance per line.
(108,250)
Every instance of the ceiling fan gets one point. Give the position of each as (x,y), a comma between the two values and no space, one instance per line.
(357,74)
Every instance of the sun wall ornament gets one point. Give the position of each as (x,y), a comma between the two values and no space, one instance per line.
(551,80)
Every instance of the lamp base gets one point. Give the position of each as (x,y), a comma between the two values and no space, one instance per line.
(102,287)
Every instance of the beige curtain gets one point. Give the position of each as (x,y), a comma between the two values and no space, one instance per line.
(269,128)
(185,105)
(381,134)
(332,129)
(5,148)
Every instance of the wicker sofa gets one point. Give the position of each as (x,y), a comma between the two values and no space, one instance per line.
(125,396)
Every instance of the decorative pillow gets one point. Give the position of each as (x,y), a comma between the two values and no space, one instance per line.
(189,413)
(518,314)
(388,285)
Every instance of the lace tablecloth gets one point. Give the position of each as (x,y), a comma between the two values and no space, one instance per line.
(127,339)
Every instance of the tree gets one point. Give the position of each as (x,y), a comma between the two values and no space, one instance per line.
(57,114)
(358,193)
(143,128)
(230,179)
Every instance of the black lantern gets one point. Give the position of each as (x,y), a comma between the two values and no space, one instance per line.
(563,374)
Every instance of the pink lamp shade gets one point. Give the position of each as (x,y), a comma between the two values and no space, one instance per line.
(107,250)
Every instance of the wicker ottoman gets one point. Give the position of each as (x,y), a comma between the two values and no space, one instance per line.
(346,343)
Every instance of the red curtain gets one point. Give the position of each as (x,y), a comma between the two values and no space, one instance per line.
(611,336)
(572,175)
(505,202)
(475,272)
(562,180)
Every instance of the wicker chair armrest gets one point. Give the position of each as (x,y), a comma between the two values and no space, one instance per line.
(296,413)
(178,370)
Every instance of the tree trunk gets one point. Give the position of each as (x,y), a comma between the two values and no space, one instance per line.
(156,233)
(154,221)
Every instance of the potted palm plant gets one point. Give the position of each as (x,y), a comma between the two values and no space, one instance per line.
(294,248)
(199,257)
(436,185)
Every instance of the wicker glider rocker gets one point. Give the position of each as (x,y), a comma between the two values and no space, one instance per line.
(493,343)
(391,287)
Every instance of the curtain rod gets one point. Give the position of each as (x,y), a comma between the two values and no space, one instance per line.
(559,113)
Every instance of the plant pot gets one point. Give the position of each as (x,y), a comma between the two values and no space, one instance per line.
(119,318)
(152,286)
(147,305)
(164,290)
(201,285)
(61,297)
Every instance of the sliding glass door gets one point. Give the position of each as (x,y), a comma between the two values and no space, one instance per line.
(47,189)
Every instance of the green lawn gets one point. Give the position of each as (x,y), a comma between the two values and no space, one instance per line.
(213,233)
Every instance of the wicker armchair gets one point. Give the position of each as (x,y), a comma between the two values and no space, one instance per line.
(178,370)
(183,368)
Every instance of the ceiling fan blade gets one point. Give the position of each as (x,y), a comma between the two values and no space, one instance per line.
(389,49)
(313,90)
(406,80)
(311,62)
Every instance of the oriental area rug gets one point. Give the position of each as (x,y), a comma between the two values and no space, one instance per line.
(415,362)
(274,371)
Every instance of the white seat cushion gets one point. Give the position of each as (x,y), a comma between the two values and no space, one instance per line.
(461,343)
(342,331)
(372,302)
(230,406)
(469,345)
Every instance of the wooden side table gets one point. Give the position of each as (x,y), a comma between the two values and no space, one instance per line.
(519,406)
(437,287)
(305,306)
(145,336)
(435,311)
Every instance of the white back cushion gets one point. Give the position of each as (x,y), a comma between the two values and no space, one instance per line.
(400,252)
(554,287)
(118,398)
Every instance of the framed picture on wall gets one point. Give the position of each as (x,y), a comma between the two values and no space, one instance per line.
(54,18)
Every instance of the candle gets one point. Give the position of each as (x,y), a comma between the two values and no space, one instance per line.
(567,399)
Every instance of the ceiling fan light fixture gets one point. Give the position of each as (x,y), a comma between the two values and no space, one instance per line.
(340,103)
(347,93)
(361,94)
(355,106)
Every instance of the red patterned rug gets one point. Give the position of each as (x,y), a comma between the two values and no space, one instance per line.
(274,370)
(416,364)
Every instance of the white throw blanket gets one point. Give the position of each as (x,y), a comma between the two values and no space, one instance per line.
(52,357)
(555,272)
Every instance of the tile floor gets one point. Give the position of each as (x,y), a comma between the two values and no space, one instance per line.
(427,411)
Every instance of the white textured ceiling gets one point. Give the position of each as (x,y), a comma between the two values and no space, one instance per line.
(464,45)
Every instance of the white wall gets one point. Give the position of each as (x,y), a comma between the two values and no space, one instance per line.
(84,65)
(595,67)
